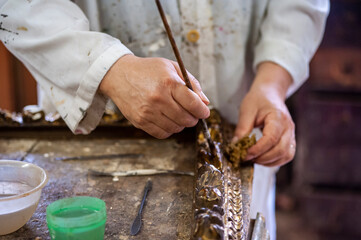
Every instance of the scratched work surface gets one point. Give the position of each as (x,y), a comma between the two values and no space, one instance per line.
(168,210)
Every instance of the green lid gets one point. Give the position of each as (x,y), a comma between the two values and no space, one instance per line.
(76,218)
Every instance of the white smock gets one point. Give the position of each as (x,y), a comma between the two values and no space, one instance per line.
(53,39)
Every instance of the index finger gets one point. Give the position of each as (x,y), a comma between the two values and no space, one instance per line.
(272,133)
(194,82)
(190,101)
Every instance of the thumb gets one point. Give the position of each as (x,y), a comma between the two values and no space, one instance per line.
(246,122)
(195,84)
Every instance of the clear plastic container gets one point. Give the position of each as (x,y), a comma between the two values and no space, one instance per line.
(20,190)
(76,218)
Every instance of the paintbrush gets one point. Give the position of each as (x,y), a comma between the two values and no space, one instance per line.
(204,126)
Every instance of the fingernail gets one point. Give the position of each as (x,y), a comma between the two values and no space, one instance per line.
(234,139)
(204,98)
(249,157)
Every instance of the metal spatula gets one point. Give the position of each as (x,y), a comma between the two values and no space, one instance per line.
(138,220)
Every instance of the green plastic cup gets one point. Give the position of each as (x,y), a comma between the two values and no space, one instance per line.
(76,218)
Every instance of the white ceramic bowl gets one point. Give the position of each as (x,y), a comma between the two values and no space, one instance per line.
(20,190)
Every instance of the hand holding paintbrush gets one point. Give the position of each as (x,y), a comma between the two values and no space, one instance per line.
(184,72)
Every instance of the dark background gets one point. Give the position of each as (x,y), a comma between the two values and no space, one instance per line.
(319,192)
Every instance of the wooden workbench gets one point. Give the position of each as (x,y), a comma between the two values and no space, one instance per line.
(168,210)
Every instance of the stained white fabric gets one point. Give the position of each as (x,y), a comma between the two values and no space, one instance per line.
(54,41)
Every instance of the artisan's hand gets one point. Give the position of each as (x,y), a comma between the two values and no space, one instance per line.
(264,106)
(152,95)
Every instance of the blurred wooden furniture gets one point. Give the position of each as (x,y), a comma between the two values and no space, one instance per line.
(17,86)
(328,117)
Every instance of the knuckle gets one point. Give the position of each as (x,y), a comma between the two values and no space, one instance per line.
(139,121)
(282,152)
(194,81)
(171,129)
(207,112)
(155,96)
(167,83)
(272,139)
(190,122)
(193,104)
(162,135)
(177,129)
(145,111)
(252,151)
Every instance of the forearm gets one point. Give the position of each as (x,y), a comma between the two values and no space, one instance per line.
(289,36)
(272,79)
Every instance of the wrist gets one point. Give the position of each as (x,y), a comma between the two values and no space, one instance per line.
(116,69)
(272,79)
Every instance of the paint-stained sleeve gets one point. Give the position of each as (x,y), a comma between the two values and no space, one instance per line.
(290,33)
(53,40)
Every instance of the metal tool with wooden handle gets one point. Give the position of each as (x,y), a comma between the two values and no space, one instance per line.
(206,133)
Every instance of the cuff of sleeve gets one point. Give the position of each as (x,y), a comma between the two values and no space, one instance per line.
(288,56)
(89,103)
